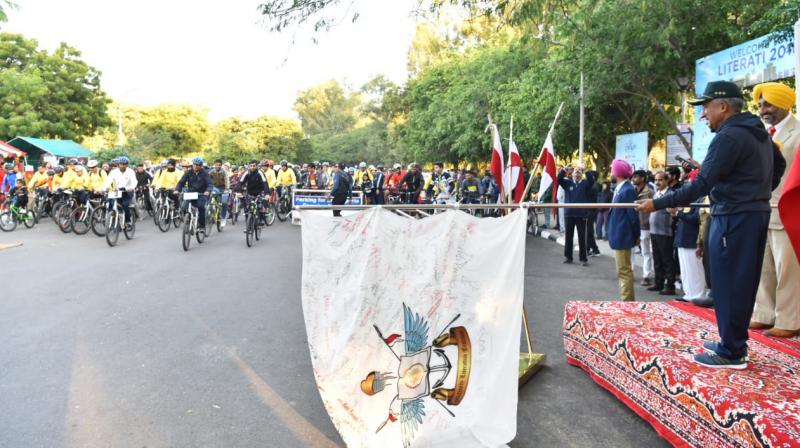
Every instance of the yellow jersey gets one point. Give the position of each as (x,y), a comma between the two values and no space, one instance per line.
(66,179)
(286,178)
(56,183)
(76,182)
(96,181)
(166,179)
(39,180)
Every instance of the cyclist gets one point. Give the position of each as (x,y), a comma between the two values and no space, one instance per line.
(441,185)
(167,179)
(19,194)
(413,180)
(471,189)
(285,177)
(196,180)
(313,177)
(254,183)
(124,179)
(489,187)
(39,179)
(78,184)
(378,183)
(358,176)
(143,181)
(58,177)
(222,187)
(97,178)
(9,181)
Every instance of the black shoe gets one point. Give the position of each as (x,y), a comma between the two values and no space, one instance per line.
(667,292)
(655,288)
(707,302)
(594,254)
(584,263)
(567,261)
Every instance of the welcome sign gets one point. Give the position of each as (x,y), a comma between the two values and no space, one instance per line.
(765,59)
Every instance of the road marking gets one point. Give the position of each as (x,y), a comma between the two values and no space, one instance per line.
(9,246)
(303,430)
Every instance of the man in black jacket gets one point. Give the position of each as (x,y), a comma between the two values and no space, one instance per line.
(197,180)
(740,171)
(414,182)
(577,190)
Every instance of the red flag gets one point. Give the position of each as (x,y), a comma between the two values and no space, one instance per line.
(392,339)
(789,204)
(516,179)
(547,160)
(497,161)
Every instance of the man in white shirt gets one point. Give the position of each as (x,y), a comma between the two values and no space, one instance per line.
(122,178)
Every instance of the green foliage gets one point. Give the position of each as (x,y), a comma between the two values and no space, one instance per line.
(171,129)
(105,155)
(51,95)
(239,141)
(327,109)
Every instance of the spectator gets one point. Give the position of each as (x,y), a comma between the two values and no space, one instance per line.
(643,192)
(576,190)
(623,228)
(661,237)
(688,227)
(604,196)
(380,180)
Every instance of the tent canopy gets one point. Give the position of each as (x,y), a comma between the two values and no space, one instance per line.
(7,150)
(58,148)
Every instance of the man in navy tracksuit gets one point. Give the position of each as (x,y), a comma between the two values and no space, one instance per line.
(576,191)
(740,171)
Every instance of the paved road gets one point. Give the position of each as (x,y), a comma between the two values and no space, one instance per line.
(144,345)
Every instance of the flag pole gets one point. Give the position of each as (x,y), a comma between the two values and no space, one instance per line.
(552,126)
(509,168)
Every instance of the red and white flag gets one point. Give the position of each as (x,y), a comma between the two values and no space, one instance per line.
(393,339)
(547,160)
(514,178)
(498,165)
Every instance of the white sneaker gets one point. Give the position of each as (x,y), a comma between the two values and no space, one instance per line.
(223,224)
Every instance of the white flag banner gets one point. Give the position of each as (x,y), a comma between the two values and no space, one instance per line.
(414,326)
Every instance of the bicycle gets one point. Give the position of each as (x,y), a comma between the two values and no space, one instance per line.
(215,213)
(144,199)
(284,206)
(235,207)
(63,215)
(190,219)
(82,217)
(43,203)
(14,215)
(269,208)
(167,213)
(253,220)
(112,222)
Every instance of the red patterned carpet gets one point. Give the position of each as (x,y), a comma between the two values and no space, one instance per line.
(642,353)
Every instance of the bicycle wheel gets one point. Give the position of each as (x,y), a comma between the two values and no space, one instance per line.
(112,227)
(130,229)
(64,219)
(269,214)
(234,211)
(7,222)
(218,219)
(186,235)
(98,222)
(249,234)
(29,219)
(210,223)
(81,220)
(39,210)
(259,226)
(54,211)
(200,236)
(162,218)
(283,210)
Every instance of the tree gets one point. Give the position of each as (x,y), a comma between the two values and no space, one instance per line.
(4,6)
(170,130)
(52,95)
(327,109)
(239,141)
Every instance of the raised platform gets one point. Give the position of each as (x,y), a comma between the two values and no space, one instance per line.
(642,353)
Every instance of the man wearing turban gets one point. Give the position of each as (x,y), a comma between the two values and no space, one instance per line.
(778,298)
(623,227)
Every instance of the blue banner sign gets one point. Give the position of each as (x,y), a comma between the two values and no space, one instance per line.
(760,60)
(633,149)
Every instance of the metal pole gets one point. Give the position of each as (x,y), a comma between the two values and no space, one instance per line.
(120,135)
(473,206)
(683,105)
(580,143)
(509,170)
(549,132)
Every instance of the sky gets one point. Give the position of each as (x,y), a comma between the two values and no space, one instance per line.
(218,54)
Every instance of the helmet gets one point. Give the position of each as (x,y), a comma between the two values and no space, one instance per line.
(197,161)
(79,169)
(92,163)
(351,170)
(397,166)
(372,167)
(9,166)
(270,162)
(50,172)
(284,163)
(380,167)
(123,160)
(362,165)
(72,162)
(326,164)
(59,169)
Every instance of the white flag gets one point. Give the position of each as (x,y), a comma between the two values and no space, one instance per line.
(414,326)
